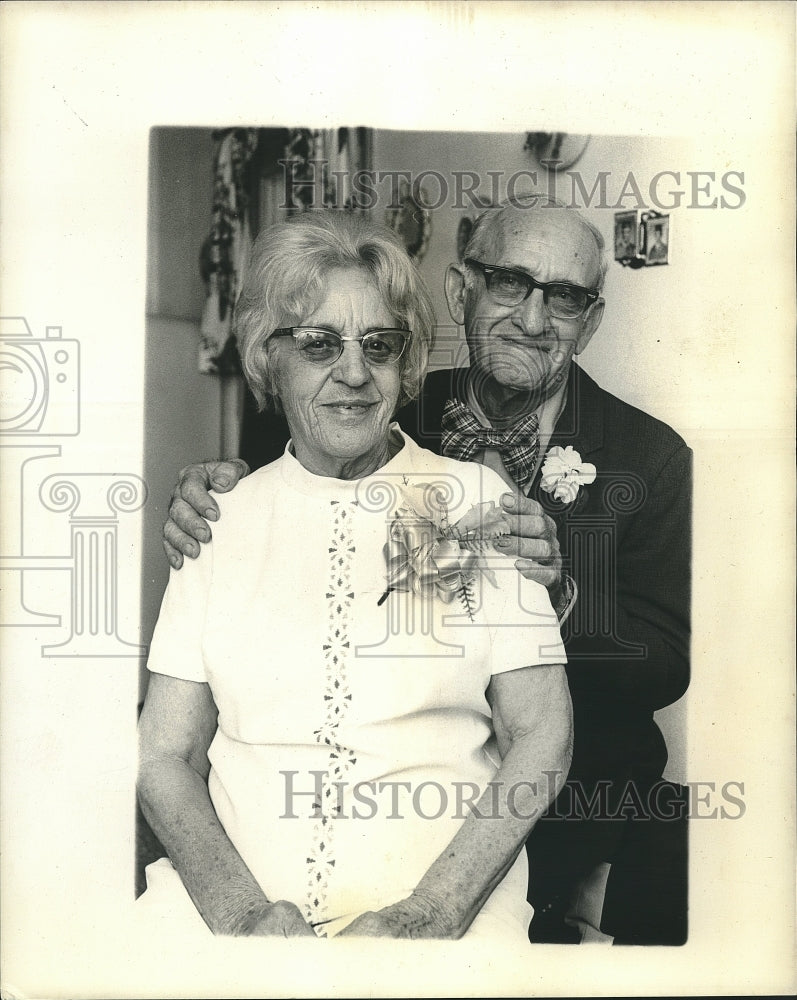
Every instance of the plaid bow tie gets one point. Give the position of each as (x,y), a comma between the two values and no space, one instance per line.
(518,445)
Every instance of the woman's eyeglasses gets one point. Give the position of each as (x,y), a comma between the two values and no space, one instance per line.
(324,347)
(509,288)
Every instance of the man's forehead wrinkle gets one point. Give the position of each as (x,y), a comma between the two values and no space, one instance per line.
(531,239)
(538,226)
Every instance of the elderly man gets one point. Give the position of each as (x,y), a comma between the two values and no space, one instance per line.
(601,505)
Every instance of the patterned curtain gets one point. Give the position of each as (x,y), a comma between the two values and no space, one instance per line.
(262,176)
(316,171)
(224,252)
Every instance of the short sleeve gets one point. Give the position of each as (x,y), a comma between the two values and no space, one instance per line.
(176,647)
(524,630)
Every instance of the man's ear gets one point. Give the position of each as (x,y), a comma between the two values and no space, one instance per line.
(455,293)
(591,324)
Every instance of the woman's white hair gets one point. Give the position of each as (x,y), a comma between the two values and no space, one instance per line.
(485,235)
(286,279)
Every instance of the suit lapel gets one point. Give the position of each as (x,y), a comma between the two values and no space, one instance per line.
(581,422)
(580,425)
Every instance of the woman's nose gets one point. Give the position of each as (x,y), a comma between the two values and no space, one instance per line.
(531,314)
(350,367)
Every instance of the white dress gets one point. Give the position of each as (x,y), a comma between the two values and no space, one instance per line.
(352,734)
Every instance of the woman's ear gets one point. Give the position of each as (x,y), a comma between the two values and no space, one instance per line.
(455,293)
(271,377)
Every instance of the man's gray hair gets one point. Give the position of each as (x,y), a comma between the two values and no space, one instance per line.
(482,239)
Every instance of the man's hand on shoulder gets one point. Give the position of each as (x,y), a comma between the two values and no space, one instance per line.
(191,506)
(534,541)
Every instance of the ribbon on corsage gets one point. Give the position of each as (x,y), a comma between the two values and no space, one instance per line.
(426,554)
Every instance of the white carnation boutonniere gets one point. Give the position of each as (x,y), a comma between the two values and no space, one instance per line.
(426,554)
(563,473)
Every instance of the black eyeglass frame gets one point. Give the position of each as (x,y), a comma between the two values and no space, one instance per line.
(544,286)
(294,331)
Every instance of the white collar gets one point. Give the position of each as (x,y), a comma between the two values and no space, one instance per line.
(297,477)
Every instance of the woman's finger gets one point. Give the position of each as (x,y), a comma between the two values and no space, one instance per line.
(298,927)
(368,924)
(282,919)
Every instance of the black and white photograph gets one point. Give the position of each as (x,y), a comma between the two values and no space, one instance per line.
(597,537)
(657,239)
(626,235)
(382,597)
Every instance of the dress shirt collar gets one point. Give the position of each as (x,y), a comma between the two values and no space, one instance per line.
(548,414)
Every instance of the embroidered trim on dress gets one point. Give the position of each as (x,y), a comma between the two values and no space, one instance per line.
(337,698)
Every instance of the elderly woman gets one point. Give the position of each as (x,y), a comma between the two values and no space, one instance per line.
(357,708)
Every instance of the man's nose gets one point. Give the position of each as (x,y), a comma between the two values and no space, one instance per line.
(350,368)
(531,314)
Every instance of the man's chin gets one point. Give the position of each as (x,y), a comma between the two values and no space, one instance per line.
(517,381)
(517,369)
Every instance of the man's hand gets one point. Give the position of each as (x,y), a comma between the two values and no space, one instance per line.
(192,506)
(534,540)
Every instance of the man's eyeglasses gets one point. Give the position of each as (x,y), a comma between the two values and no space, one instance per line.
(324,347)
(509,288)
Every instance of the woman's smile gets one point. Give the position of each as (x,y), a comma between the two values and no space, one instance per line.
(351,409)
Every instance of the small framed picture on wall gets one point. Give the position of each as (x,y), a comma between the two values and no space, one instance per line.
(626,235)
(657,239)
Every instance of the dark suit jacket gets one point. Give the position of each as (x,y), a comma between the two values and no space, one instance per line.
(625,541)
